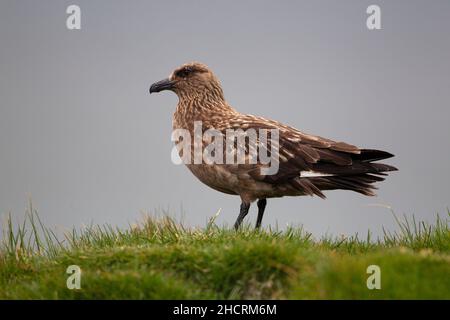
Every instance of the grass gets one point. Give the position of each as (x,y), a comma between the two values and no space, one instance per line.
(161,259)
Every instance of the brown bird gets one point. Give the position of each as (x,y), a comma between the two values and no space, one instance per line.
(307,164)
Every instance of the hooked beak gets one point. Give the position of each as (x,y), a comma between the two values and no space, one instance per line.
(165,84)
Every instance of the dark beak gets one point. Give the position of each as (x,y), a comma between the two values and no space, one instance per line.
(165,84)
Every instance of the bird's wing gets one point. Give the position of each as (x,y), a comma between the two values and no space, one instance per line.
(304,155)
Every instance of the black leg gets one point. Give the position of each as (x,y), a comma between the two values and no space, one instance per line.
(244,210)
(261,207)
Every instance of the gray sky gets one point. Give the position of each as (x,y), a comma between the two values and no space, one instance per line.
(80,134)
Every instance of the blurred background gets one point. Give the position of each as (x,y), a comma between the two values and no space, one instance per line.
(82,138)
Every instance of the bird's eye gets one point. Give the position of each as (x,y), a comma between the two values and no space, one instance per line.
(183,73)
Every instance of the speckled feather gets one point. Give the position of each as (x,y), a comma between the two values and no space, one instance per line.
(341,165)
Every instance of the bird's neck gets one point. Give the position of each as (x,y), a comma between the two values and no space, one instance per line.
(199,108)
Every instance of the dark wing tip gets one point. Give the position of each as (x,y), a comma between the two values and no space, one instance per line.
(369,155)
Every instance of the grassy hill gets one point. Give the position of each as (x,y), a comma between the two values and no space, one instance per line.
(160,259)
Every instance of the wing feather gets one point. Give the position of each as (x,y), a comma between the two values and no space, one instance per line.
(347,166)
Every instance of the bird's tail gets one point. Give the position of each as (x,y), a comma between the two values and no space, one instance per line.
(359,177)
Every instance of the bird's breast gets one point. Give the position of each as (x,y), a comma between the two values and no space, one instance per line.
(216,177)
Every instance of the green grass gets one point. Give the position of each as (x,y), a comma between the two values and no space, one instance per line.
(161,259)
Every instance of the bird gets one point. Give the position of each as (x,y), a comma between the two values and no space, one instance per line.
(307,164)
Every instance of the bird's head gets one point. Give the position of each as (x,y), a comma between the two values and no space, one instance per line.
(189,81)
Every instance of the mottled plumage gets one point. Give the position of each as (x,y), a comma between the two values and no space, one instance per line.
(308,164)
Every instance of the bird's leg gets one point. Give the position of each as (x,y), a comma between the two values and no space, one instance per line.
(261,207)
(242,213)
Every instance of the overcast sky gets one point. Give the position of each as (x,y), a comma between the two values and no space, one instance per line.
(82,137)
